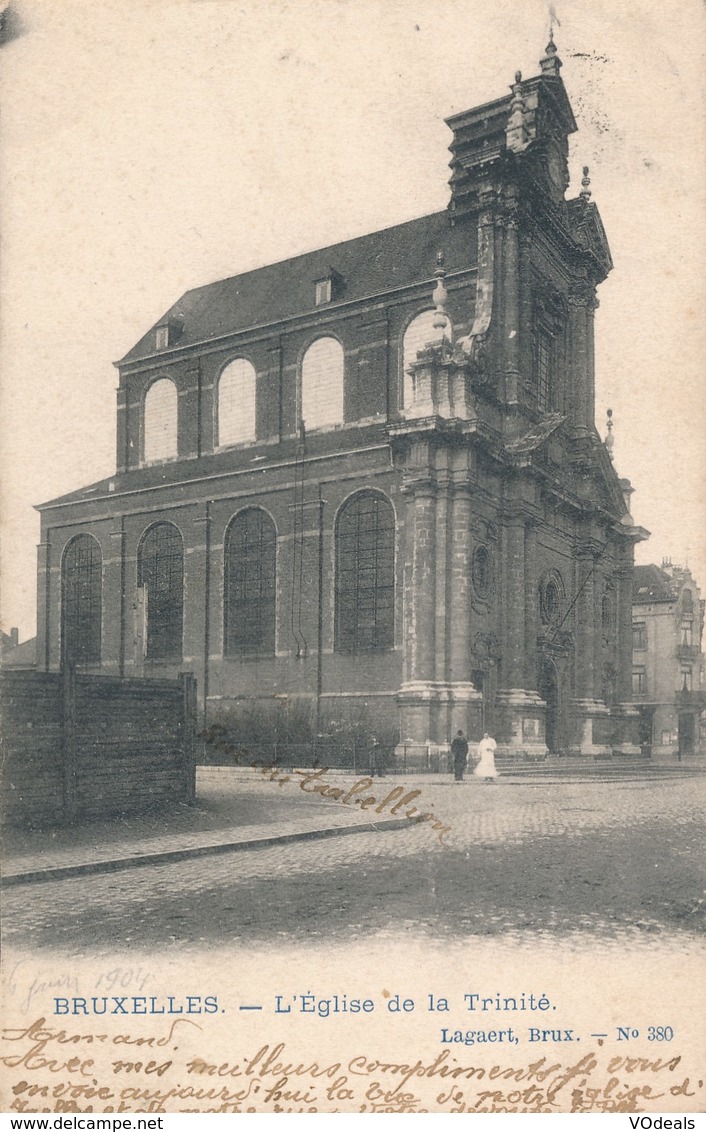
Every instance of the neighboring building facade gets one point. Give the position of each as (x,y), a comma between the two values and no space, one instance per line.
(365,484)
(667,658)
(14,654)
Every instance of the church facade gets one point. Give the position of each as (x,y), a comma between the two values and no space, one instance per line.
(364,487)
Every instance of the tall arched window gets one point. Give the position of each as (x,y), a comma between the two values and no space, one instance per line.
(161,412)
(236,403)
(249,585)
(82,591)
(418,334)
(161,572)
(365,574)
(322,384)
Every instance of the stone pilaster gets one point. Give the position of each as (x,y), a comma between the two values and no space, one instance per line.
(113,627)
(43,605)
(122,455)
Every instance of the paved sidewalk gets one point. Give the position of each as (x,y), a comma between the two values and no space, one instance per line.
(234,809)
(238,809)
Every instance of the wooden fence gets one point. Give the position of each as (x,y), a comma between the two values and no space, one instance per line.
(78,746)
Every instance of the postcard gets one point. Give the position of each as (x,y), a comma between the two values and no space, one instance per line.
(354,557)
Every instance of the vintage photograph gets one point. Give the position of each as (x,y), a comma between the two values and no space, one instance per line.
(354,557)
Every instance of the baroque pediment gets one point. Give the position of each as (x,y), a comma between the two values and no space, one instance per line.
(587,229)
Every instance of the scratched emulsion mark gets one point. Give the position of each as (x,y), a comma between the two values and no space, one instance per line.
(173,1069)
(396,802)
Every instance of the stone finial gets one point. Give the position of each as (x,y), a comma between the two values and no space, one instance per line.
(610,439)
(516,133)
(585,185)
(551,63)
(442,322)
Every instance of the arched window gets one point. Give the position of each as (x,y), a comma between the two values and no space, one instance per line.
(322,384)
(161,572)
(236,403)
(365,574)
(249,585)
(82,591)
(418,334)
(161,421)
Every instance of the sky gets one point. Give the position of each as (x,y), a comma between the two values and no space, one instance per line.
(151,146)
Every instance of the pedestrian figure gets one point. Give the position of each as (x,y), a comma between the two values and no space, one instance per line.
(459,751)
(485,768)
(377,759)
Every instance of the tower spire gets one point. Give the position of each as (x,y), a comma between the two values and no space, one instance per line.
(550,63)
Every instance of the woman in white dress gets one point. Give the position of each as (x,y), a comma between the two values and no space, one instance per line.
(486,753)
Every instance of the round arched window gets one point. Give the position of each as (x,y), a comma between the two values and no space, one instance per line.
(481,572)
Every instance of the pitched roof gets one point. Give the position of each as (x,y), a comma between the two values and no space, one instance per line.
(652,584)
(379,262)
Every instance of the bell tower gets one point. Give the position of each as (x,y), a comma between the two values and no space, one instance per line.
(516,528)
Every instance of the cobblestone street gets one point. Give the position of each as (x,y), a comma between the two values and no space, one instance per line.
(523,859)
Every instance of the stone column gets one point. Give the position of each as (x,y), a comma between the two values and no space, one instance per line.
(582,303)
(526,361)
(443,518)
(511,306)
(520,712)
(514,606)
(460,627)
(531,601)
(418,691)
(589,714)
(424,582)
(466,701)
(591,308)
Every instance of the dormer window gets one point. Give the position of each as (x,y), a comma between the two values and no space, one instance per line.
(329,287)
(324,290)
(167,333)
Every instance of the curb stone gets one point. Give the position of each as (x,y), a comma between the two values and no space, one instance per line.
(170,856)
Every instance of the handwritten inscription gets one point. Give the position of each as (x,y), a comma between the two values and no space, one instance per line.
(58,1070)
(397,802)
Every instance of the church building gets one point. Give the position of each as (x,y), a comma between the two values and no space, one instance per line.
(364,487)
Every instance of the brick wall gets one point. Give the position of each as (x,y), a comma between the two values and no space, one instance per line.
(89,746)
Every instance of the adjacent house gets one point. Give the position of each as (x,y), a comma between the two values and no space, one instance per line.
(667,658)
